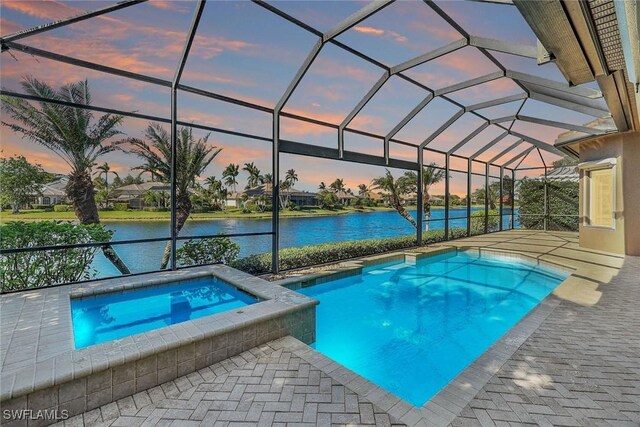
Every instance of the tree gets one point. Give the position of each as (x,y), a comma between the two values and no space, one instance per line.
(363,190)
(192,158)
(73,135)
(327,199)
(105,169)
(395,188)
(493,192)
(337,185)
(128,180)
(20,181)
(267,178)
(254,174)
(291,177)
(431,175)
(230,173)
(322,186)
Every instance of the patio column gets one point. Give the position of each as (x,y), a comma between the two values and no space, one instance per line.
(501,194)
(275,194)
(419,212)
(486,198)
(468,197)
(446,196)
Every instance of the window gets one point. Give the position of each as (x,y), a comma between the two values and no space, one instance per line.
(599,193)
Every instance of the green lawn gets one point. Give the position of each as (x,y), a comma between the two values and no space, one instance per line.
(165,216)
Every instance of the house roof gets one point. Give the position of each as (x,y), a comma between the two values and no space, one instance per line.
(136,189)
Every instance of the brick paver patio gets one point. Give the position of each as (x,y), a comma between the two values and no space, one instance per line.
(580,367)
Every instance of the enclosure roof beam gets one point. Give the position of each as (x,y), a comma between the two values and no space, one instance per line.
(409,117)
(537,143)
(187,46)
(469,83)
(489,145)
(552,84)
(452,22)
(562,125)
(504,47)
(354,19)
(374,89)
(429,56)
(584,108)
(502,119)
(68,21)
(468,138)
(506,150)
(497,101)
(442,128)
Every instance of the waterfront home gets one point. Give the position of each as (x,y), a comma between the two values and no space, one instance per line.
(133,194)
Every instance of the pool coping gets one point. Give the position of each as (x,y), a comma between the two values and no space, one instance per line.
(449,402)
(275,314)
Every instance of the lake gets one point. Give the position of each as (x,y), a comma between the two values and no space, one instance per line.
(293,232)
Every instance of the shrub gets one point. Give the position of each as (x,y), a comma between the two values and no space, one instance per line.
(292,258)
(562,209)
(477,222)
(44,208)
(42,268)
(120,206)
(208,251)
(155,209)
(61,208)
(246,210)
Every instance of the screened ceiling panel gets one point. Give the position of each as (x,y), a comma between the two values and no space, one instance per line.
(395,99)
(211,112)
(321,15)
(455,133)
(308,133)
(508,156)
(400,31)
(333,85)
(433,158)
(364,144)
(21,15)
(503,110)
(499,21)
(544,133)
(402,152)
(498,148)
(458,164)
(486,91)
(481,140)
(532,160)
(435,114)
(455,67)
(235,57)
(549,158)
(147,42)
(106,90)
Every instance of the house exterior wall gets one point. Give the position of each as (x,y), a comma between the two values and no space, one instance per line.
(625,237)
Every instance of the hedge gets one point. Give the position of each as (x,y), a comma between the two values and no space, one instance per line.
(120,206)
(304,256)
(562,213)
(61,208)
(26,270)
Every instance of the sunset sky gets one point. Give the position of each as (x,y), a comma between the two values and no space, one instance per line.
(244,51)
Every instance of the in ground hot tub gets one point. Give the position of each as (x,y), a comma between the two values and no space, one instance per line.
(109,316)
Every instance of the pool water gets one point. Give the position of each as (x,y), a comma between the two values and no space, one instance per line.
(412,328)
(111,316)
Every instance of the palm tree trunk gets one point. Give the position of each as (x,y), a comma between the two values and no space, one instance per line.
(183,210)
(426,208)
(80,191)
(402,211)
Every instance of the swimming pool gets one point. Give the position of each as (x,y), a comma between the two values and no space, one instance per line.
(412,328)
(111,316)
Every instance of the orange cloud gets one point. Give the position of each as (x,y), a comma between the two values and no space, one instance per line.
(379,32)
(8,27)
(368,30)
(45,9)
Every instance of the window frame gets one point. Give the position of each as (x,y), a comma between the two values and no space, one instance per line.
(587,191)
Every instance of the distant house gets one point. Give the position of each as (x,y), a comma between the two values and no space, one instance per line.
(345,198)
(234,200)
(53,193)
(297,197)
(133,193)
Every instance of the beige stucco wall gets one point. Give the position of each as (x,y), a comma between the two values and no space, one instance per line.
(625,238)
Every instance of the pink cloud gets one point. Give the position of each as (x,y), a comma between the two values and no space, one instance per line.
(380,32)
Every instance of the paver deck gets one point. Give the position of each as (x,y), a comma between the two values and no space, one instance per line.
(579,366)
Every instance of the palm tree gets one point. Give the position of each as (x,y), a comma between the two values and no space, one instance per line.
(322,186)
(192,158)
(337,185)
(230,173)
(394,188)
(267,178)
(106,170)
(254,174)
(363,190)
(431,175)
(73,135)
(290,178)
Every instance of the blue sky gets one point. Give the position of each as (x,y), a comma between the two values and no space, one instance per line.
(244,51)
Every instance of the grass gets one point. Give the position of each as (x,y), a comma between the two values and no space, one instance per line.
(40,215)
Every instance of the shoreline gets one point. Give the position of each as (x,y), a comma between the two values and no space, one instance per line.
(208,216)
